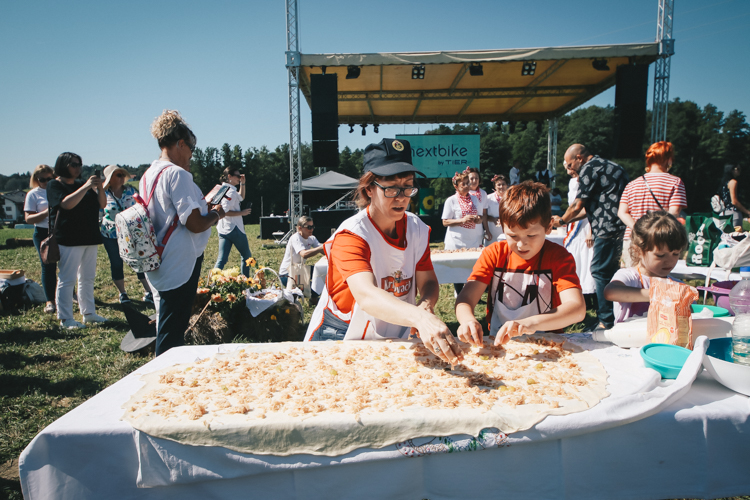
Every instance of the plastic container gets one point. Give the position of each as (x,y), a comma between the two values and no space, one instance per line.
(739,301)
(666,359)
(718,312)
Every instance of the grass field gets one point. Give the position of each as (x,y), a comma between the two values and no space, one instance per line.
(46,371)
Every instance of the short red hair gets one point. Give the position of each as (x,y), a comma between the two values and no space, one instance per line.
(524,204)
(660,153)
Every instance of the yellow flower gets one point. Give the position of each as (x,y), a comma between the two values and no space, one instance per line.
(273,317)
(251,262)
(232,273)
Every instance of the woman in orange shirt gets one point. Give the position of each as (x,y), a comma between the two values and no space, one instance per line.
(378,260)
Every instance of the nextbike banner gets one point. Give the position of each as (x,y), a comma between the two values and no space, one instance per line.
(443,155)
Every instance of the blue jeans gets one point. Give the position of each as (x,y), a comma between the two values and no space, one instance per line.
(604,264)
(49,271)
(238,239)
(175,309)
(115,261)
(331,328)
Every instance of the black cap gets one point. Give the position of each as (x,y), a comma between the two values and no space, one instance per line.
(389,157)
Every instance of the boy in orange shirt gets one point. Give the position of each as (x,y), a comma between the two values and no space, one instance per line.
(533,282)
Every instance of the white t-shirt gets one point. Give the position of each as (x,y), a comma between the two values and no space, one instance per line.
(460,237)
(515,176)
(295,245)
(176,195)
(36,201)
(493,210)
(231,203)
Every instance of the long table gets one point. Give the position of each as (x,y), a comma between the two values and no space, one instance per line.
(686,438)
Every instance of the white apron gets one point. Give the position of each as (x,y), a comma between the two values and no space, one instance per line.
(394,271)
(519,294)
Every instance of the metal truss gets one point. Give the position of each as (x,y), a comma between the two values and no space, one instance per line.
(295,159)
(552,147)
(664,23)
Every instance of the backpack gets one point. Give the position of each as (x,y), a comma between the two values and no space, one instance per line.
(717,204)
(136,237)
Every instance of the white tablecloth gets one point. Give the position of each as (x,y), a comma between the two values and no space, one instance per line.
(687,438)
(684,272)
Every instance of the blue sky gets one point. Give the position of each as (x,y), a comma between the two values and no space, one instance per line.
(90,76)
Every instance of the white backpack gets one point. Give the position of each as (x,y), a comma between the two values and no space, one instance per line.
(136,236)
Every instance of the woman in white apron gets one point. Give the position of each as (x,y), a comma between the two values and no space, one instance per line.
(493,207)
(379,259)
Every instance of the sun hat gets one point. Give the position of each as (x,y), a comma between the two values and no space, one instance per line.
(389,157)
(110,171)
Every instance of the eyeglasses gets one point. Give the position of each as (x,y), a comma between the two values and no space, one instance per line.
(45,179)
(309,227)
(189,145)
(236,175)
(395,192)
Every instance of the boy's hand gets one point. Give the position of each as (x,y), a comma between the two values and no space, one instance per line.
(512,329)
(471,333)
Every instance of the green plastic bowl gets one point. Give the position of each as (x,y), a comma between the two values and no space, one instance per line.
(719,312)
(666,359)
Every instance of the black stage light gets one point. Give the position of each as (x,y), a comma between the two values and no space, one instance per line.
(351,128)
(352,72)
(529,68)
(375,128)
(364,129)
(600,64)
(417,72)
(476,69)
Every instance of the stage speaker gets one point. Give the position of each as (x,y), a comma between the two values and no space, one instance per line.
(324,107)
(631,95)
(325,154)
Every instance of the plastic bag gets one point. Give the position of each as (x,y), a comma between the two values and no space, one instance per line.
(704,235)
(669,315)
(299,277)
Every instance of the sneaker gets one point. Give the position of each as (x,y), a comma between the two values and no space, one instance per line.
(124,299)
(148,298)
(93,318)
(50,308)
(71,324)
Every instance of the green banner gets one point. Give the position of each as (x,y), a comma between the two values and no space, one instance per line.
(426,201)
(443,155)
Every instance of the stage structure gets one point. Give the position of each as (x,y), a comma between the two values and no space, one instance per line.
(661,70)
(513,85)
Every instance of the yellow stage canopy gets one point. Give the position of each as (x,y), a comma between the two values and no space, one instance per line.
(385,92)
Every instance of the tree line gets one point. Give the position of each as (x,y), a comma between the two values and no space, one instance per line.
(704,139)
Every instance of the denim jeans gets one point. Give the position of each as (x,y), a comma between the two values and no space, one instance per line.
(238,239)
(604,264)
(331,328)
(49,271)
(175,309)
(115,261)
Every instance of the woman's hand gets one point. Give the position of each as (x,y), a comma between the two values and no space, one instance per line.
(93,182)
(438,339)
(512,329)
(218,209)
(467,219)
(245,212)
(471,333)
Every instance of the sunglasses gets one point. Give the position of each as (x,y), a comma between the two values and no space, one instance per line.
(309,227)
(45,179)
(74,165)
(121,175)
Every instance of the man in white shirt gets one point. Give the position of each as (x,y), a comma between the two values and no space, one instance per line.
(301,245)
(515,174)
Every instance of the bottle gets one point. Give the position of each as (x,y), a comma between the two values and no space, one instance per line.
(739,301)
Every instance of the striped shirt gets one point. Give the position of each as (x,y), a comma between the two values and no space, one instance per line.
(668,189)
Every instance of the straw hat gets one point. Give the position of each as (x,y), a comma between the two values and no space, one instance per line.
(110,171)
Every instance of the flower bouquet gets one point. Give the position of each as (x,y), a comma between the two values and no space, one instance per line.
(220,313)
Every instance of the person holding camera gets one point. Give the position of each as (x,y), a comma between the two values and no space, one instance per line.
(231,228)
(74,207)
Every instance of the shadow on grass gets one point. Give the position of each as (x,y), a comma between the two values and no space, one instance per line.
(24,337)
(10,489)
(18,385)
(14,361)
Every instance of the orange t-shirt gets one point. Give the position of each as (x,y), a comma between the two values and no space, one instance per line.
(555,259)
(350,254)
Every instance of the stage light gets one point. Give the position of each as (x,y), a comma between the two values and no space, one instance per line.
(351,128)
(364,129)
(375,128)
(529,68)
(417,72)
(352,72)
(600,64)
(476,69)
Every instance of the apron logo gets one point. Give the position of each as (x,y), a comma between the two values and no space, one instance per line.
(396,284)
